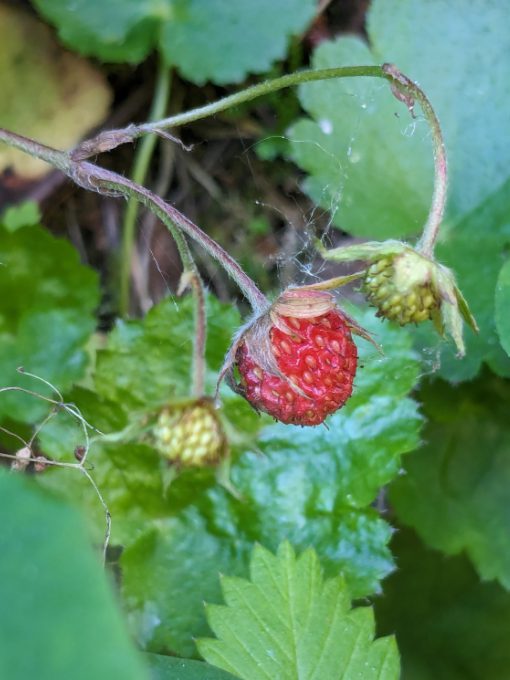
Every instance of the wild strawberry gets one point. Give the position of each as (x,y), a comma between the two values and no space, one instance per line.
(297,360)
(190,435)
(402,287)
(406,286)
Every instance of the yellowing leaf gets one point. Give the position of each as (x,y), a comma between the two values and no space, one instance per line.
(47,93)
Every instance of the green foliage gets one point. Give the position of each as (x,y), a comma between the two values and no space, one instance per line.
(362,162)
(215,40)
(455,492)
(503,306)
(170,668)
(312,486)
(448,625)
(373,169)
(59,617)
(474,249)
(46,314)
(287,622)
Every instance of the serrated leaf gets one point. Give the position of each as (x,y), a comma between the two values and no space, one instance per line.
(62,97)
(456,492)
(214,40)
(503,306)
(448,625)
(375,170)
(170,668)
(46,316)
(287,623)
(59,618)
(312,485)
(147,363)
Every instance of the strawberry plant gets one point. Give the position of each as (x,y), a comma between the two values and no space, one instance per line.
(254,471)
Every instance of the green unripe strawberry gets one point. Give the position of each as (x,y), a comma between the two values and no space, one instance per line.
(407,286)
(401,287)
(191,435)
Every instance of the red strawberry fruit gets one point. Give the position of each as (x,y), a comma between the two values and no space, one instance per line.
(297,360)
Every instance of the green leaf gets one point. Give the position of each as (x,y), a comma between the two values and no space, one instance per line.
(477,270)
(287,622)
(503,306)
(46,316)
(25,215)
(170,668)
(375,170)
(312,486)
(371,169)
(59,617)
(118,30)
(146,363)
(214,40)
(448,625)
(62,98)
(456,492)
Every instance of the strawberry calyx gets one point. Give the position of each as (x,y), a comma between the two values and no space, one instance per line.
(407,286)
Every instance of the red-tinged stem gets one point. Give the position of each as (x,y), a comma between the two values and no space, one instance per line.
(412,92)
(95,178)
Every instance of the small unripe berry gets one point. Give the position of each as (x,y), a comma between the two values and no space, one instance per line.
(401,287)
(190,435)
(408,286)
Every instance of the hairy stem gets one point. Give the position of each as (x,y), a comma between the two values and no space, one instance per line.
(200,336)
(95,178)
(140,166)
(403,88)
(259,90)
(410,92)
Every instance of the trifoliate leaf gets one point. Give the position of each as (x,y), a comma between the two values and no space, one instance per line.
(46,316)
(448,625)
(214,40)
(456,492)
(59,618)
(287,623)
(312,486)
(62,96)
(503,306)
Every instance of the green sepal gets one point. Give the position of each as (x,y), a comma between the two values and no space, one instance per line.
(371,250)
(453,307)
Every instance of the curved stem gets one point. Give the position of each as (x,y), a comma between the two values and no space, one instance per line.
(95,178)
(403,88)
(167,212)
(259,90)
(410,92)
(140,166)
